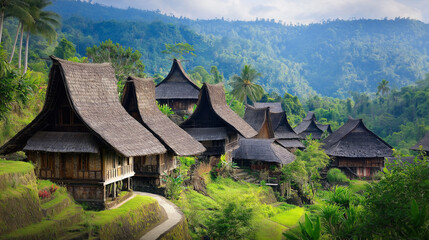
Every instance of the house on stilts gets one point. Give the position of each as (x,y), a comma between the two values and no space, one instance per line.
(177,90)
(309,125)
(357,151)
(262,151)
(138,99)
(422,145)
(83,137)
(215,125)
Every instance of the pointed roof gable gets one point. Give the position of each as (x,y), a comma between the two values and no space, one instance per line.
(177,84)
(171,135)
(91,92)
(275,107)
(424,142)
(309,126)
(354,140)
(258,118)
(325,128)
(212,99)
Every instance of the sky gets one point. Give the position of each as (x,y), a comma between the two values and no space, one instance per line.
(286,11)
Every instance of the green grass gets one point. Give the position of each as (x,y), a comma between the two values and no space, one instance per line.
(41,184)
(58,197)
(289,218)
(108,216)
(14,167)
(269,230)
(358,186)
(46,226)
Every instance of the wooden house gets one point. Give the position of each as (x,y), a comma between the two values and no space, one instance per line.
(356,150)
(214,124)
(83,137)
(423,143)
(177,90)
(309,125)
(139,101)
(262,151)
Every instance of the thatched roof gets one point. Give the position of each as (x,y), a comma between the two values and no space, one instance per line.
(325,128)
(275,107)
(267,150)
(171,135)
(354,140)
(92,95)
(257,118)
(63,142)
(177,84)
(213,109)
(424,142)
(310,116)
(307,127)
(291,143)
(207,134)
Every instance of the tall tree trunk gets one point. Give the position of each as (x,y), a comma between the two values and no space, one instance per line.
(1,23)
(26,52)
(14,44)
(20,48)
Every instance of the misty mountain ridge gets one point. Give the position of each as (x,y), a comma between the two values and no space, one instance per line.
(331,58)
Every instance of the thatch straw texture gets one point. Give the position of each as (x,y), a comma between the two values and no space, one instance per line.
(266,150)
(62,142)
(257,118)
(177,84)
(171,135)
(212,99)
(275,107)
(354,140)
(91,92)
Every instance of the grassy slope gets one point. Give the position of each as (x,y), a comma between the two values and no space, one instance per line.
(14,167)
(268,219)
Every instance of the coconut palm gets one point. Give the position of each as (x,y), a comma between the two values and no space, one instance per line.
(22,18)
(12,8)
(44,24)
(244,86)
(382,87)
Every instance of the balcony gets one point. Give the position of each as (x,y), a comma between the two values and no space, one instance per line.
(119,173)
(146,169)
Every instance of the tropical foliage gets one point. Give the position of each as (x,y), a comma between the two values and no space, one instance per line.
(244,87)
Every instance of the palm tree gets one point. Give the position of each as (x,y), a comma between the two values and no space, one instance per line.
(382,87)
(23,18)
(244,86)
(44,24)
(12,8)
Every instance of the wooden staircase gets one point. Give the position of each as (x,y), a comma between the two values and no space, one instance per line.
(242,175)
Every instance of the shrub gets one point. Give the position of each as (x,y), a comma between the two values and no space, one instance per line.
(53,188)
(44,194)
(335,176)
(173,186)
(340,196)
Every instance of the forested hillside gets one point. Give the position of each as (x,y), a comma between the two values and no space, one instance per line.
(330,58)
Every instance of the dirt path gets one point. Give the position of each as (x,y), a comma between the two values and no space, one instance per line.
(173,217)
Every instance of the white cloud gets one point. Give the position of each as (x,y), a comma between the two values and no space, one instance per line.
(288,11)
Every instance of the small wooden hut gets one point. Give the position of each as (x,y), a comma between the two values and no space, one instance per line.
(284,133)
(83,137)
(139,101)
(214,124)
(309,125)
(356,150)
(177,90)
(262,151)
(423,143)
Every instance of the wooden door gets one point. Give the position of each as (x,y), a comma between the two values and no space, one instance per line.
(67,165)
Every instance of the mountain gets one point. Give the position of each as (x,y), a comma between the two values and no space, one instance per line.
(332,58)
